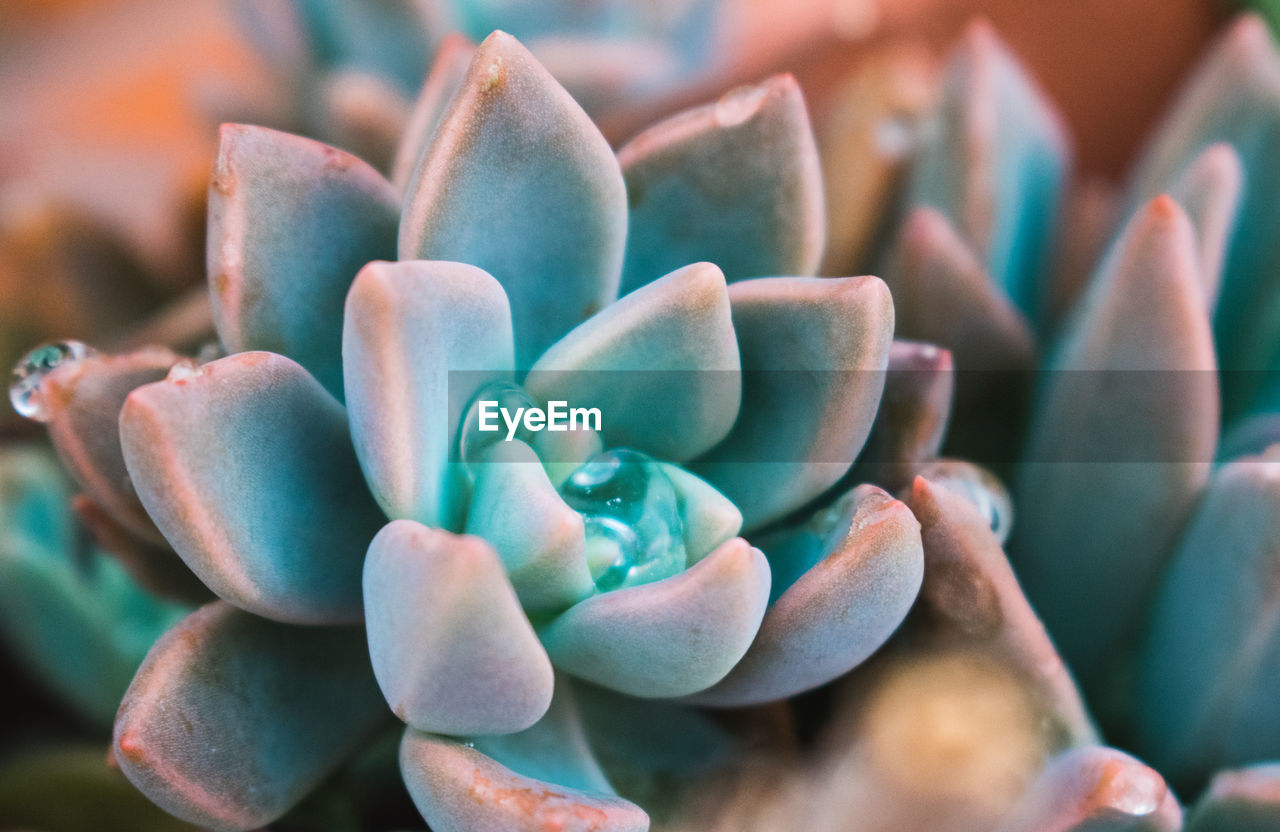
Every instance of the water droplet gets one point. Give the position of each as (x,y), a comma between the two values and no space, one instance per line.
(33,368)
(980,487)
(632,519)
(471,439)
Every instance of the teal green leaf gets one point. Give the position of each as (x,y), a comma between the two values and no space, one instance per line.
(663,355)
(735,182)
(420,340)
(233,719)
(451,647)
(246,466)
(291,221)
(519,182)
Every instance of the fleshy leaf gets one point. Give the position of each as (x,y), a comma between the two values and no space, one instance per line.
(1090,541)
(824,387)
(246,466)
(663,355)
(912,420)
(994,164)
(971,599)
(233,719)
(1233,96)
(83,400)
(69,614)
(1241,800)
(513,151)
(944,295)
(447,72)
(1096,789)
(866,570)
(452,650)
(291,221)
(420,339)
(671,637)
(708,518)
(1209,190)
(1209,664)
(459,789)
(541,541)
(736,183)
(555,749)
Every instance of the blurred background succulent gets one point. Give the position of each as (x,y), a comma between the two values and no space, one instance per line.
(1107,349)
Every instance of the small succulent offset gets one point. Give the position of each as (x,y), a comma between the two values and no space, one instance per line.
(330,471)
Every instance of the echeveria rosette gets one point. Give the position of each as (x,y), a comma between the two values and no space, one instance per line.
(1151,565)
(273,472)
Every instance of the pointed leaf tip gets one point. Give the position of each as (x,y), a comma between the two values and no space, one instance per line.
(736,183)
(664,355)
(291,221)
(512,150)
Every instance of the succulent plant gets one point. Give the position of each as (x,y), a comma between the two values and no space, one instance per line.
(1143,534)
(548,612)
(499,575)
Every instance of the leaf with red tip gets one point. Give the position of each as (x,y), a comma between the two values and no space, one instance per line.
(519,182)
(1233,96)
(459,789)
(840,609)
(736,183)
(663,355)
(452,650)
(246,466)
(233,719)
(291,221)
(83,400)
(671,637)
(1096,789)
(420,339)
(807,409)
(1091,539)
(971,598)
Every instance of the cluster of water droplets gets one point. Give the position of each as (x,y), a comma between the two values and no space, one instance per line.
(33,368)
(634,531)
